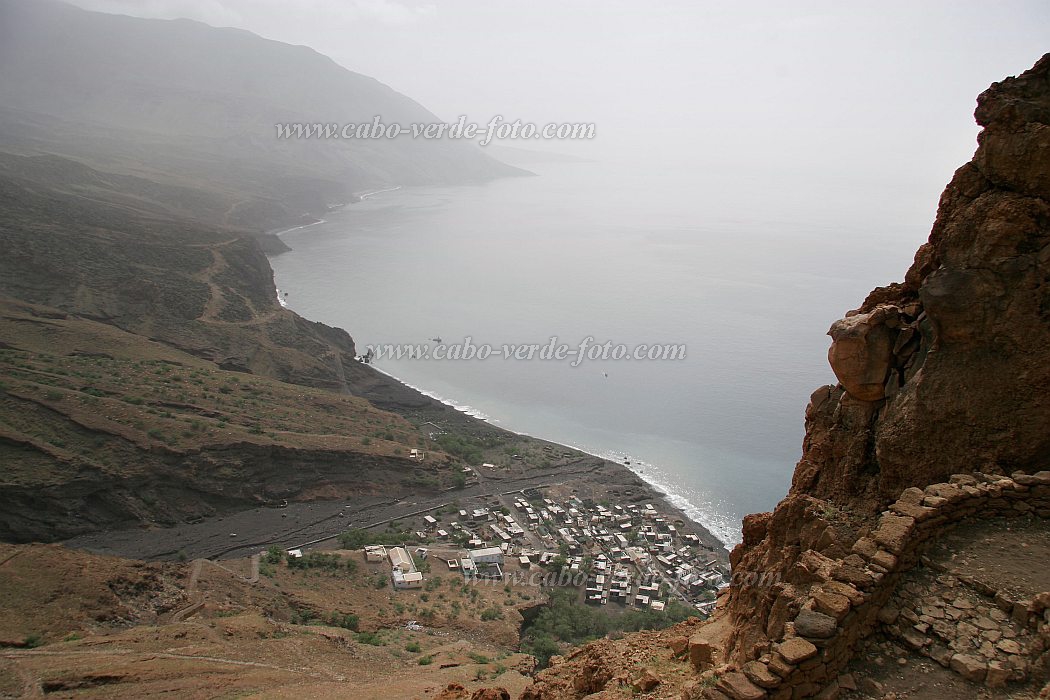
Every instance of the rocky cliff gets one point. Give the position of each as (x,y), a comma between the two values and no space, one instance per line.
(944,374)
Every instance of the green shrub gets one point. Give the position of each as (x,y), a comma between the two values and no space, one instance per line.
(358,538)
(348,621)
(564,620)
(370,638)
(273,555)
(466,449)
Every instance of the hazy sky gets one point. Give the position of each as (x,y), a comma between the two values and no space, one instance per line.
(879,92)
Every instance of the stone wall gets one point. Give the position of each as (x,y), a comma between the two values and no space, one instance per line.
(847,595)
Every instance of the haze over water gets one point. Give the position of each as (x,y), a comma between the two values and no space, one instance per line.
(748,272)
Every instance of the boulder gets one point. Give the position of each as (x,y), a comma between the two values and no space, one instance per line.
(855,597)
(969,667)
(679,645)
(779,666)
(737,686)
(701,652)
(884,559)
(1010,647)
(810,623)
(860,355)
(893,532)
(795,650)
(453,691)
(646,681)
(998,674)
(831,604)
(491,694)
(759,674)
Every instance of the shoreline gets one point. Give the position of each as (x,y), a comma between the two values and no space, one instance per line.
(356,197)
(680,504)
(315,520)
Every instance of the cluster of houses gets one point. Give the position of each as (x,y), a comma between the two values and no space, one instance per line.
(629,554)
(475,524)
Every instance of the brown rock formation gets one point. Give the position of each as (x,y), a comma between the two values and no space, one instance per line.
(943,373)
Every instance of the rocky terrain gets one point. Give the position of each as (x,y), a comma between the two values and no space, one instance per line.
(152,380)
(937,425)
(79,625)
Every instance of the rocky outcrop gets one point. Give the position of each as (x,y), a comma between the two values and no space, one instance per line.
(948,368)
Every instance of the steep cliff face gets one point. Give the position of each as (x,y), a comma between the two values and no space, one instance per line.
(947,372)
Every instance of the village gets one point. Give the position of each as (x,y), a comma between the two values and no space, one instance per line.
(627,554)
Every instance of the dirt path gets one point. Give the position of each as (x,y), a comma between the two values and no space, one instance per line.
(11,556)
(21,654)
(217,298)
(340,371)
(948,606)
(197,599)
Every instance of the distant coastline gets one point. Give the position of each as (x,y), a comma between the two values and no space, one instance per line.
(355,198)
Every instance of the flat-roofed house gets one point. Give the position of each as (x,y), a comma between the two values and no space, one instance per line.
(487,555)
(407,579)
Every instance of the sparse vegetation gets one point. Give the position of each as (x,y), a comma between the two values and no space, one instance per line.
(564,620)
(489,614)
(370,638)
(346,620)
(358,538)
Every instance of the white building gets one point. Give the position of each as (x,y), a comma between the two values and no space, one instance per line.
(409,579)
(487,555)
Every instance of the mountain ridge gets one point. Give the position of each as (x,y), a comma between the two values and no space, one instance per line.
(197,106)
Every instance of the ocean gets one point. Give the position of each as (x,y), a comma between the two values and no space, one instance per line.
(746,271)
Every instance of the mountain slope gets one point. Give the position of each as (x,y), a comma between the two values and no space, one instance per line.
(196,104)
(150,375)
